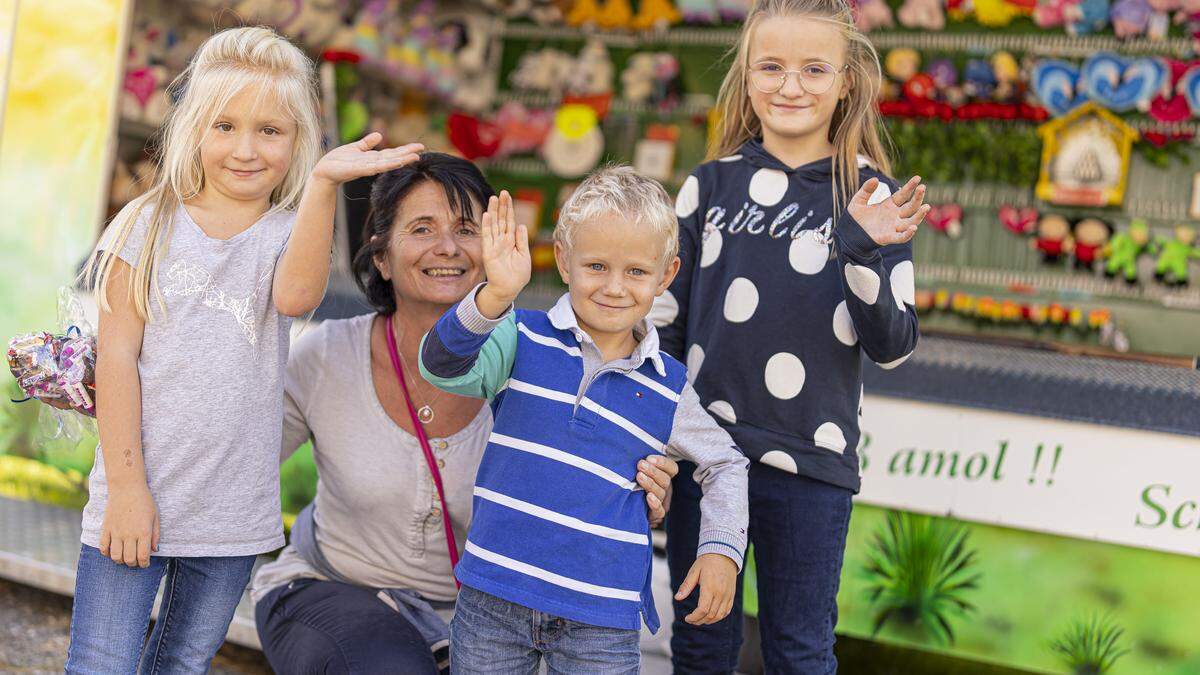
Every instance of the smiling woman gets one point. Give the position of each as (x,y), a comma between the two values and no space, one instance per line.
(367,577)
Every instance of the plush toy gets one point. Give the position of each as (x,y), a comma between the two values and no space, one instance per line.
(1055,13)
(1122,252)
(927,14)
(1019,221)
(1053,238)
(1091,236)
(947,219)
(656,15)
(1160,18)
(1092,16)
(699,11)
(733,11)
(542,70)
(615,15)
(1130,18)
(521,130)
(593,71)
(1008,77)
(1174,256)
(583,13)
(979,79)
(995,13)
(873,14)
(314,22)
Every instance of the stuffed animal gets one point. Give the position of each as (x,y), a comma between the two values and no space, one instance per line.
(927,14)
(1054,13)
(314,22)
(979,79)
(1053,238)
(995,13)
(1160,18)
(542,70)
(615,15)
(1130,18)
(947,219)
(1122,252)
(1174,256)
(1091,236)
(656,15)
(593,70)
(1089,16)
(583,13)
(873,14)
(1008,77)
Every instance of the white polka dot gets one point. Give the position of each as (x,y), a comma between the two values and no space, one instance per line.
(904,286)
(710,248)
(784,375)
(768,186)
(723,410)
(830,437)
(740,300)
(892,364)
(864,282)
(780,460)
(695,359)
(807,255)
(731,158)
(664,310)
(843,325)
(882,192)
(688,199)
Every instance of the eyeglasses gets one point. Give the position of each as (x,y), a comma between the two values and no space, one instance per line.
(816,78)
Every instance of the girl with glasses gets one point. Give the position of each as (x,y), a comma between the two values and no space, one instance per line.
(795,261)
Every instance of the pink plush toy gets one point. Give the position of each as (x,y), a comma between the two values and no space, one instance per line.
(927,14)
(1055,13)
(871,14)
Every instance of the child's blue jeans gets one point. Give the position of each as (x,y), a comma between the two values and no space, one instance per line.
(113,604)
(490,635)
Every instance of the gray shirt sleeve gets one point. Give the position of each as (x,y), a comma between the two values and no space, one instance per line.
(301,380)
(721,471)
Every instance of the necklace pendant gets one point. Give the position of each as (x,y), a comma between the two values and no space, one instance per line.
(425,414)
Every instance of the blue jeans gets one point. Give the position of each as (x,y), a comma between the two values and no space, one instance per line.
(113,604)
(798,528)
(490,635)
(313,626)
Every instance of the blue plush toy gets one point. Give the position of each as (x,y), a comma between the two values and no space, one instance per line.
(1090,16)
(979,80)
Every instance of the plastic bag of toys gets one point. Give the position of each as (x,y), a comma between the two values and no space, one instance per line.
(59,370)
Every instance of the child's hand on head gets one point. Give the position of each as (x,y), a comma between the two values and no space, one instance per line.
(506,260)
(893,220)
(359,159)
(717,577)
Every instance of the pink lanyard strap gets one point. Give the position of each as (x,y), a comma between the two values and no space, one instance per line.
(419,429)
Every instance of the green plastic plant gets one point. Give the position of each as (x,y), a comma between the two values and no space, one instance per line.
(1090,646)
(919,570)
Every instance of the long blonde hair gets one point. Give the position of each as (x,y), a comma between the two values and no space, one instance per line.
(856,129)
(225,64)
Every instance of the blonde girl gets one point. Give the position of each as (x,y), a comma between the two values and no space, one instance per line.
(795,263)
(197,283)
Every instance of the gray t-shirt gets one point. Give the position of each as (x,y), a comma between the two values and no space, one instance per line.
(379,521)
(211,374)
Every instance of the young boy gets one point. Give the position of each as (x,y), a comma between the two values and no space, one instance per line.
(557,561)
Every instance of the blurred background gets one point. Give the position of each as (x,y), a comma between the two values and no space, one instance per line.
(1031,492)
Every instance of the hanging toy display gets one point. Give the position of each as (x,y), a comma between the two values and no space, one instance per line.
(1175,256)
(1091,236)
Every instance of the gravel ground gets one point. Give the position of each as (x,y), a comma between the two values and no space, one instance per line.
(35,628)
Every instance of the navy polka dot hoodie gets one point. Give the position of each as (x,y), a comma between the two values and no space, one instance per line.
(774,305)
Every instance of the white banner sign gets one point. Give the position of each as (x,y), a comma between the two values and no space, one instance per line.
(1125,486)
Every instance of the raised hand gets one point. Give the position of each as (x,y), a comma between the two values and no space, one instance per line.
(506,258)
(893,220)
(359,159)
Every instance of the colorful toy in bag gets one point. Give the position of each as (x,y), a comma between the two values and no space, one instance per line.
(1174,256)
(1123,251)
(59,369)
